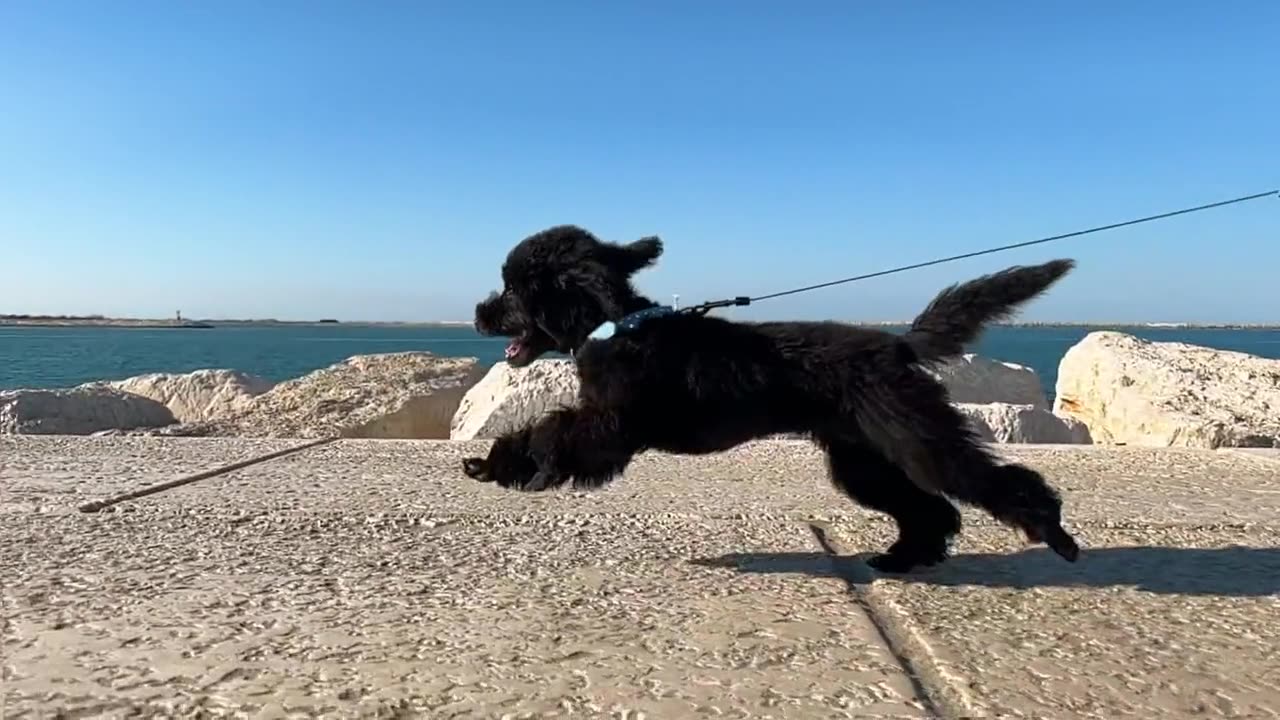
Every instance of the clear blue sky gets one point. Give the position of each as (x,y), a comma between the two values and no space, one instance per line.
(375,160)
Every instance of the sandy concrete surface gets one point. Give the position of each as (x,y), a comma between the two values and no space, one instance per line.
(371,579)
(52,474)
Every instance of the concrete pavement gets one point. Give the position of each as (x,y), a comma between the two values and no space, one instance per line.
(371,579)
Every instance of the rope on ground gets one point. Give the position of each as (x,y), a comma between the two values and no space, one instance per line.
(97,505)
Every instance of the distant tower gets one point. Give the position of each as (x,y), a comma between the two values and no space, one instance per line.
(675,301)
(179,316)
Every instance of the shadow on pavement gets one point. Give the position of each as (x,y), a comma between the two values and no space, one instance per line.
(1231,571)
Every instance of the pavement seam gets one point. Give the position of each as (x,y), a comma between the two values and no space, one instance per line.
(97,505)
(942,691)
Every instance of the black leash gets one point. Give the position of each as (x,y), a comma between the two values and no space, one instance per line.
(743,300)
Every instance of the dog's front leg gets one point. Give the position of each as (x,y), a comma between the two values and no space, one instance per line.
(508,464)
(588,445)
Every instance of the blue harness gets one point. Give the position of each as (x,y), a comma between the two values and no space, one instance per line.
(629,322)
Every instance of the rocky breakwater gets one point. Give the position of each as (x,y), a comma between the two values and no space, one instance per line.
(407,395)
(78,411)
(197,396)
(1167,394)
(1003,402)
(393,395)
(418,395)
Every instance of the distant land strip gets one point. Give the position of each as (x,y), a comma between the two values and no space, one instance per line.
(15,320)
(102,321)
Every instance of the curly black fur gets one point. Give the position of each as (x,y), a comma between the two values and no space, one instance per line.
(693,384)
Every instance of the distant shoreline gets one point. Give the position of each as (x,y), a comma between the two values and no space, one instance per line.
(144,323)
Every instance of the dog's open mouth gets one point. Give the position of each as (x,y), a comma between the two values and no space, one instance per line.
(527,347)
(515,347)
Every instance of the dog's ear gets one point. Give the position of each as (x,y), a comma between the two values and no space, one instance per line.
(646,250)
(636,256)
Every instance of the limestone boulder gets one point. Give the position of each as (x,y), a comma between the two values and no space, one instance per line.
(1022,423)
(508,398)
(1167,394)
(78,411)
(200,395)
(405,395)
(975,379)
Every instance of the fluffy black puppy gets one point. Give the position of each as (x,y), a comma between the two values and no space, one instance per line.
(694,384)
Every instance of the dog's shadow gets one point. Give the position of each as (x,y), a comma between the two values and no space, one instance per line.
(1228,571)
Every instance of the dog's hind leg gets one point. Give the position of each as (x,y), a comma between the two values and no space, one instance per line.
(915,427)
(589,445)
(926,521)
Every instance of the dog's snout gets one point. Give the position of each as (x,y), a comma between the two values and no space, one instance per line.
(489,314)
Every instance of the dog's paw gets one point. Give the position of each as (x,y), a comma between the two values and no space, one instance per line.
(476,469)
(898,560)
(1058,540)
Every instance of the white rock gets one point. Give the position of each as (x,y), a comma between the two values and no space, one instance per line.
(199,395)
(1022,423)
(975,379)
(509,398)
(407,395)
(77,411)
(1165,394)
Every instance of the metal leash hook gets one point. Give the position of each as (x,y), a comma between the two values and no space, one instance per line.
(704,308)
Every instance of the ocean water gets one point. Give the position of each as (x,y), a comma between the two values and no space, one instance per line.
(61,357)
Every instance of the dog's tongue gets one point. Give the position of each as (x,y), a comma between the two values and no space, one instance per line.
(513,348)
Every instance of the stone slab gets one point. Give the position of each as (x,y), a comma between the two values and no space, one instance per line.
(50,473)
(302,615)
(782,479)
(1156,486)
(368,577)
(1168,622)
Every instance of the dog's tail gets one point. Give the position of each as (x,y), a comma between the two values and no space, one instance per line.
(959,313)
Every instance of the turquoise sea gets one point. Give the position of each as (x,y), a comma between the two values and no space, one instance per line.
(65,356)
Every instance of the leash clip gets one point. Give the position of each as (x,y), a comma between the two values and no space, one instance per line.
(706,307)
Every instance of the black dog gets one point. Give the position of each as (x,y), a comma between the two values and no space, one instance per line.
(692,384)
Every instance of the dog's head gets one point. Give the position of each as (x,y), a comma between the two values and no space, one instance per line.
(558,286)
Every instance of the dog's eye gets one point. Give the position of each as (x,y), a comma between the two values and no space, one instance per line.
(510,299)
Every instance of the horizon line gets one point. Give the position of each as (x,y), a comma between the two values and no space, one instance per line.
(20,319)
